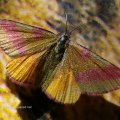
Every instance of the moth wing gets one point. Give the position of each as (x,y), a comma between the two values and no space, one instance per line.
(81,71)
(23,70)
(61,86)
(19,39)
(94,74)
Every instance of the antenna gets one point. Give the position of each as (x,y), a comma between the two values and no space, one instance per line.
(80,27)
(66,16)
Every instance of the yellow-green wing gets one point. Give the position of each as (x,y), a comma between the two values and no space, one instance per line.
(19,39)
(94,74)
(81,71)
(61,86)
(23,70)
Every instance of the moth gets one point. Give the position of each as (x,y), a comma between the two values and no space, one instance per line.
(62,68)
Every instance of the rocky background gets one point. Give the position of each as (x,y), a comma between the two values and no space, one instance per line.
(101,35)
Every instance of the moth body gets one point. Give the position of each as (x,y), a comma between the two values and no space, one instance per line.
(54,57)
(62,43)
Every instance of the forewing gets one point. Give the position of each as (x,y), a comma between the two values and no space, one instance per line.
(23,70)
(61,85)
(81,71)
(94,74)
(19,39)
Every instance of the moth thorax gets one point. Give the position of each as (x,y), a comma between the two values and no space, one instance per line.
(61,43)
(63,40)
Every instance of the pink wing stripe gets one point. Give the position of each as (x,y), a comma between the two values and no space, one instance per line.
(37,32)
(86,54)
(100,74)
(12,26)
(11,34)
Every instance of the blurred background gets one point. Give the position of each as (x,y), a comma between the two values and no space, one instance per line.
(101,35)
